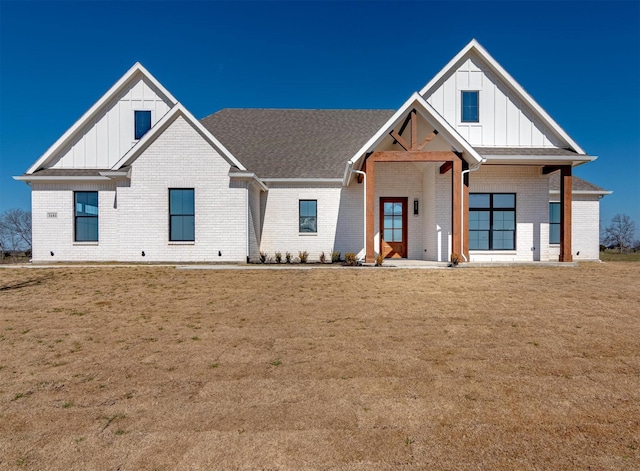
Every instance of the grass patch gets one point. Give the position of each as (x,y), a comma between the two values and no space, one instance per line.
(410,369)
(611,256)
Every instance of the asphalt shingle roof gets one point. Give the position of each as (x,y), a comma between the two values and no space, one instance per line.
(577,183)
(295,143)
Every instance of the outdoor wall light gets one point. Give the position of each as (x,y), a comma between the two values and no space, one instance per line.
(52,254)
(219,253)
(415,207)
(143,254)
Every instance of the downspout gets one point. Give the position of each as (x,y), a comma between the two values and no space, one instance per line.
(364,214)
(248,221)
(469,170)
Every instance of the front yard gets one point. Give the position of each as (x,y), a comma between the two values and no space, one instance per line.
(354,369)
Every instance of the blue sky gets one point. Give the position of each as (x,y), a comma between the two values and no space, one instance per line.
(579,60)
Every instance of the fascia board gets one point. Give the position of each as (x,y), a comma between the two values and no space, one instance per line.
(474,46)
(60,178)
(428,113)
(161,125)
(583,192)
(376,138)
(302,180)
(248,176)
(450,65)
(539,159)
(451,135)
(136,69)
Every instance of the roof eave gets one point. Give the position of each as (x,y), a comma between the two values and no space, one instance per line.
(574,161)
(60,178)
(583,192)
(136,69)
(430,115)
(247,176)
(161,125)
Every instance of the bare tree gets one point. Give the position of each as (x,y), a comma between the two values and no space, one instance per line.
(15,230)
(620,233)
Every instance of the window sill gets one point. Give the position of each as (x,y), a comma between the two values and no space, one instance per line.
(182,242)
(493,252)
(308,234)
(89,244)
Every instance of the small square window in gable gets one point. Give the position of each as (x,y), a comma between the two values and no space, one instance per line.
(142,123)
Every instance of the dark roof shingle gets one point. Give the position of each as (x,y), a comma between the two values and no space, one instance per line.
(295,143)
(577,183)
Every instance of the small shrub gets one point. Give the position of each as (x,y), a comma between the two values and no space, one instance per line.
(303,256)
(263,257)
(278,257)
(323,258)
(455,259)
(350,259)
(379,259)
(335,256)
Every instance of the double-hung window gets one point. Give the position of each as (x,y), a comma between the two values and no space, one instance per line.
(492,221)
(470,106)
(308,212)
(86,216)
(554,223)
(181,215)
(142,123)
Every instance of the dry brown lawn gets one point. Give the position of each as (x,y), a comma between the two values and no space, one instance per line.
(352,369)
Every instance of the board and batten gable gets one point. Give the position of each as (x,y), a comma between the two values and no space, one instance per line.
(102,141)
(504,119)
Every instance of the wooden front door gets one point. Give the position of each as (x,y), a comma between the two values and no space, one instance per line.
(393,227)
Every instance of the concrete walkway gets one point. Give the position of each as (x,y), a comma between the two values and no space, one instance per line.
(388,264)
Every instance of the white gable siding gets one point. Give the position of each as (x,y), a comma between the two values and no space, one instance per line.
(103,141)
(504,120)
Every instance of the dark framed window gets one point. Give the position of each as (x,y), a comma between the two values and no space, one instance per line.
(86,216)
(143,123)
(492,221)
(181,214)
(308,221)
(554,223)
(470,107)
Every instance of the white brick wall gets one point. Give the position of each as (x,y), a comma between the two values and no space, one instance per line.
(401,180)
(135,218)
(532,209)
(585,233)
(56,234)
(340,224)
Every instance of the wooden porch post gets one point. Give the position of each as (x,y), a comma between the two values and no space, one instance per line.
(566,198)
(369,249)
(456,210)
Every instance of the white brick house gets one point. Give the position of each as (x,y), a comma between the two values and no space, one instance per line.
(470,165)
